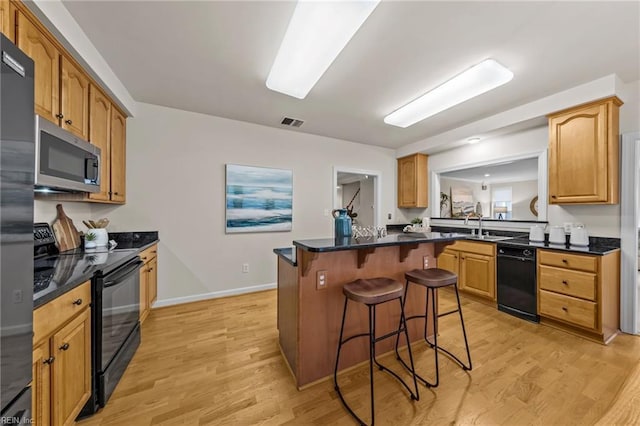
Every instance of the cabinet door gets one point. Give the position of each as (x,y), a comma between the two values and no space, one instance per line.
(477,274)
(412,181)
(578,156)
(153,281)
(74,100)
(118,153)
(144,291)
(71,372)
(448,260)
(5,20)
(46,57)
(100,135)
(41,385)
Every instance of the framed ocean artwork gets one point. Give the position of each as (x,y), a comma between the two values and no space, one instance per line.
(258,199)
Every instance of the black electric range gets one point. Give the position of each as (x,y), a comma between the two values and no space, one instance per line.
(55,273)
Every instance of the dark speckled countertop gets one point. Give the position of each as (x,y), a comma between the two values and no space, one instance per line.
(57,274)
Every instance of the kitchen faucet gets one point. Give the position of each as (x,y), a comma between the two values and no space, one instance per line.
(466,222)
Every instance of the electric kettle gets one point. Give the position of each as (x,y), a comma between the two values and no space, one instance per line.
(536,233)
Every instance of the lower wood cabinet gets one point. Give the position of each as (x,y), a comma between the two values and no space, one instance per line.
(62,358)
(148,280)
(580,293)
(475,265)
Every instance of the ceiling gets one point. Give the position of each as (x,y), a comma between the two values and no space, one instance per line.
(511,171)
(213,57)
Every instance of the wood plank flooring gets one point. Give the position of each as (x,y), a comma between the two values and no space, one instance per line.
(218,362)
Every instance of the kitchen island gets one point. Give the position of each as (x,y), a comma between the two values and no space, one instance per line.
(310,298)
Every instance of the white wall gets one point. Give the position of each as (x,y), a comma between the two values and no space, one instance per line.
(367,200)
(176,185)
(523,192)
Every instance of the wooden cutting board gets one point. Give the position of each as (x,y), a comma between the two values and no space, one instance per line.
(66,233)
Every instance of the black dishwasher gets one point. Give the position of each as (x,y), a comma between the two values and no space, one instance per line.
(517,281)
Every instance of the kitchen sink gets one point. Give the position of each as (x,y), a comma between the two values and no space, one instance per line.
(488,237)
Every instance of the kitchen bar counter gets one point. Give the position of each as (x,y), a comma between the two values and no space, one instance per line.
(310,309)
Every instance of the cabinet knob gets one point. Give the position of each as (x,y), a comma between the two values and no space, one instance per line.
(68,121)
(64,347)
(116,193)
(565,282)
(49,360)
(77,302)
(553,196)
(150,269)
(155,251)
(564,308)
(144,258)
(59,116)
(565,261)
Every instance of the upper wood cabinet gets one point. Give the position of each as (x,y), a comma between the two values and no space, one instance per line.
(74,99)
(46,58)
(5,20)
(584,154)
(412,181)
(118,155)
(100,135)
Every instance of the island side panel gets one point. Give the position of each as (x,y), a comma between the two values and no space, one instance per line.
(321,310)
(288,311)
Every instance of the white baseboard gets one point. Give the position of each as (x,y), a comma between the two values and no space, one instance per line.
(213,295)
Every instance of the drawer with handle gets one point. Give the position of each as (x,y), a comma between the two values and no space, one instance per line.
(52,315)
(572,283)
(568,309)
(149,253)
(566,260)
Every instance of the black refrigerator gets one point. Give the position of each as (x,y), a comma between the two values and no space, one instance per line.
(17,157)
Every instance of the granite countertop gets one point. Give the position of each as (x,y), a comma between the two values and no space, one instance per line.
(57,274)
(288,254)
(597,246)
(350,243)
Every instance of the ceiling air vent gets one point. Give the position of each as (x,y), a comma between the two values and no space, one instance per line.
(291,122)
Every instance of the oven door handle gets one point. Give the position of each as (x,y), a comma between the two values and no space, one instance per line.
(121,274)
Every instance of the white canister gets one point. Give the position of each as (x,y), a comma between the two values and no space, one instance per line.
(536,233)
(579,236)
(557,235)
(101,236)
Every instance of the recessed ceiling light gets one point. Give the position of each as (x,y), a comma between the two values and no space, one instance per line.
(487,175)
(473,140)
(317,33)
(480,78)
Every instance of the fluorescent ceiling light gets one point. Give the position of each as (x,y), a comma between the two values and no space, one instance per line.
(481,78)
(473,140)
(317,33)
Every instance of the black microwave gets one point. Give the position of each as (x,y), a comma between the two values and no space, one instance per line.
(64,161)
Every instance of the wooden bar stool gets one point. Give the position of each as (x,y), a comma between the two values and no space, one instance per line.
(373,292)
(434,279)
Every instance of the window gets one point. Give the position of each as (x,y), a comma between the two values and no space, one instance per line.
(501,202)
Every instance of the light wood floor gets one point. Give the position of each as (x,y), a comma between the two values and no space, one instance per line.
(218,363)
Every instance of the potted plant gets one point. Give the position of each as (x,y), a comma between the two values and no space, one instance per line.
(90,240)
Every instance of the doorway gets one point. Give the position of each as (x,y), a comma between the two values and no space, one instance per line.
(357,191)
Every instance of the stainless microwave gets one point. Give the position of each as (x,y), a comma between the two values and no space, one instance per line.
(64,161)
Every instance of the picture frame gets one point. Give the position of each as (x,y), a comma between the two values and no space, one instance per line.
(258,199)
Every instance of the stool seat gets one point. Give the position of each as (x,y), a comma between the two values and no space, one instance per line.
(434,277)
(373,291)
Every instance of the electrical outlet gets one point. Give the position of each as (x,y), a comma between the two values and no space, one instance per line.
(321,280)
(567,227)
(17,296)
(425,262)
(245,268)
(389,216)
